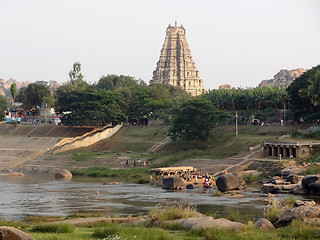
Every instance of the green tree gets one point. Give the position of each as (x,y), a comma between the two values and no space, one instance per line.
(91,107)
(304,94)
(195,119)
(34,95)
(3,106)
(76,77)
(13,90)
(113,82)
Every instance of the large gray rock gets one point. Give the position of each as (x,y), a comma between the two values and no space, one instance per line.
(307,180)
(272,179)
(11,233)
(220,223)
(229,182)
(299,203)
(300,190)
(309,214)
(205,222)
(190,186)
(63,174)
(292,170)
(289,187)
(271,188)
(293,179)
(172,183)
(315,188)
(264,224)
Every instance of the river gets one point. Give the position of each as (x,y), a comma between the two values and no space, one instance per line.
(42,195)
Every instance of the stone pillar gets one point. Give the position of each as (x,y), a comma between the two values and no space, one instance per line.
(272,151)
(280,151)
(284,151)
(290,151)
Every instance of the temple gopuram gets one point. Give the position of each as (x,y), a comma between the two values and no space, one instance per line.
(175,65)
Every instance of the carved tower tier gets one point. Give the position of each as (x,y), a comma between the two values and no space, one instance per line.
(175,65)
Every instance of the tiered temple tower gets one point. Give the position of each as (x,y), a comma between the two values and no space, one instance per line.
(175,65)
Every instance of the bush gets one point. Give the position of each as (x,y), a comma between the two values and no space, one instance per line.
(236,216)
(250,178)
(53,228)
(165,213)
(274,211)
(314,170)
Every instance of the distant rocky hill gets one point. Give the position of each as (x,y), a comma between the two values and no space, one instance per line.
(283,78)
(5,85)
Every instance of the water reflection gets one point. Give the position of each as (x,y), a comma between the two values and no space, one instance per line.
(43,195)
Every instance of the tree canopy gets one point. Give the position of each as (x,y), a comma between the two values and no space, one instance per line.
(34,95)
(304,94)
(250,98)
(3,106)
(195,119)
(13,90)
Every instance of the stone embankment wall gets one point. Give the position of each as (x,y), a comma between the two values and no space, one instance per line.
(88,140)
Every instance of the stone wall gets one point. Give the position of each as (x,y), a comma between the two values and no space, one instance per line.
(89,140)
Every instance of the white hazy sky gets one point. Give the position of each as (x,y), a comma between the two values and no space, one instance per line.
(239,42)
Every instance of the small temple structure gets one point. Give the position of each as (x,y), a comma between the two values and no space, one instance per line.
(289,149)
(176,66)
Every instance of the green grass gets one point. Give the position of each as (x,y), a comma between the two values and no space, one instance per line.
(133,142)
(297,230)
(127,232)
(314,169)
(139,175)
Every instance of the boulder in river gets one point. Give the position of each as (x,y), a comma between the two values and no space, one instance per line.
(12,233)
(307,180)
(292,170)
(63,174)
(293,179)
(229,182)
(172,183)
(299,203)
(190,186)
(300,190)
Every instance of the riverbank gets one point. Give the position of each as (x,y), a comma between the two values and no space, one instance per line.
(162,222)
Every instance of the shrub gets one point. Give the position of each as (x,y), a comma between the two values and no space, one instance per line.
(250,178)
(53,228)
(314,170)
(274,210)
(217,193)
(289,201)
(171,212)
(236,216)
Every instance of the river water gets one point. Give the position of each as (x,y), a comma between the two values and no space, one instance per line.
(42,195)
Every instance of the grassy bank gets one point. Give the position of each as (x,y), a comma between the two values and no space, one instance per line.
(133,142)
(155,228)
(297,230)
(137,175)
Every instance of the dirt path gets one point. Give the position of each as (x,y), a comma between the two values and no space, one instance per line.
(217,166)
